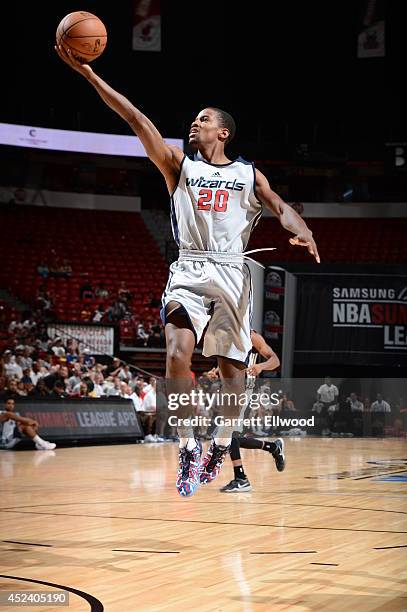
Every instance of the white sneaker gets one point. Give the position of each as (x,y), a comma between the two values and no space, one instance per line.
(45,445)
(149,438)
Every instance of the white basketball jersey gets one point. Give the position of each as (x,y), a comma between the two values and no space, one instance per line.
(214,207)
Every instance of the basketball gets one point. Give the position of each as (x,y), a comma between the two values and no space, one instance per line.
(84,34)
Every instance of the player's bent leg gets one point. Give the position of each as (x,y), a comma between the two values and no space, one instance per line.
(40,444)
(275,448)
(180,339)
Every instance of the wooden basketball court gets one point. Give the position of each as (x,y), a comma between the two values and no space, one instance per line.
(330,533)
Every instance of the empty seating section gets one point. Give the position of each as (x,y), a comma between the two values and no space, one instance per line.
(339,240)
(109,247)
(101,246)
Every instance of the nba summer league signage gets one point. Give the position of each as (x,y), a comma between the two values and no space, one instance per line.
(363,316)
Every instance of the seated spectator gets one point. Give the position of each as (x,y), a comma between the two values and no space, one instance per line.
(286,404)
(14,427)
(57,347)
(58,391)
(43,270)
(123,293)
(98,314)
(41,390)
(88,359)
(66,268)
(114,367)
(12,391)
(11,367)
(60,374)
(86,293)
(354,404)
(379,409)
(86,314)
(380,405)
(101,292)
(155,339)
(141,335)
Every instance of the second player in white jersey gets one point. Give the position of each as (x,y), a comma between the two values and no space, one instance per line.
(214,206)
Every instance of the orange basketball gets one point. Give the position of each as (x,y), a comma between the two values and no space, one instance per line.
(84,34)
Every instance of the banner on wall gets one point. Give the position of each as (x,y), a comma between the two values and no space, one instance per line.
(360,319)
(82,418)
(279,315)
(147,25)
(371,38)
(97,337)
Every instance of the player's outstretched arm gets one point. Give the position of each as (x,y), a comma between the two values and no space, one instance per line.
(289,219)
(167,158)
(265,351)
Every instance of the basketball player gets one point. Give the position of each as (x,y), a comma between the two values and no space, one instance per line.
(14,427)
(215,204)
(240,482)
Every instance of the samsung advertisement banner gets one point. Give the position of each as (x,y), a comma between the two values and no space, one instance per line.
(81,419)
(358,318)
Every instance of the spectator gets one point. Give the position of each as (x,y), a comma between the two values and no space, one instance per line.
(57,347)
(26,378)
(354,404)
(114,367)
(86,313)
(14,427)
(98,314)
(380,405)
(12,391)
(43,270)
(327,395)
(59,375)
(86,293)
(41,390)
(379,409)
(124,294)
(101,292)
(11,367)
(58,391)
(141,334)
(286,404)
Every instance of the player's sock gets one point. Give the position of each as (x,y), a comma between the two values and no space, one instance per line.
(239,472)
(222,441)
(250,443)
(190,443)
(38,440)
(223,436)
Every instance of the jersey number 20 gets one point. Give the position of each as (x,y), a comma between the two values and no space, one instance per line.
(220,202)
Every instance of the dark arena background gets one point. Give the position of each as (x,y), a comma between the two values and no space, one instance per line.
(90,517)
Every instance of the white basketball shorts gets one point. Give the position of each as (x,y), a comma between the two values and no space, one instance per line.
(214,288)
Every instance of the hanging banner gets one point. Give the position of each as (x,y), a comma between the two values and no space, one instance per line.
(358,318)
(279,316)
(147,25)
(371,39)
